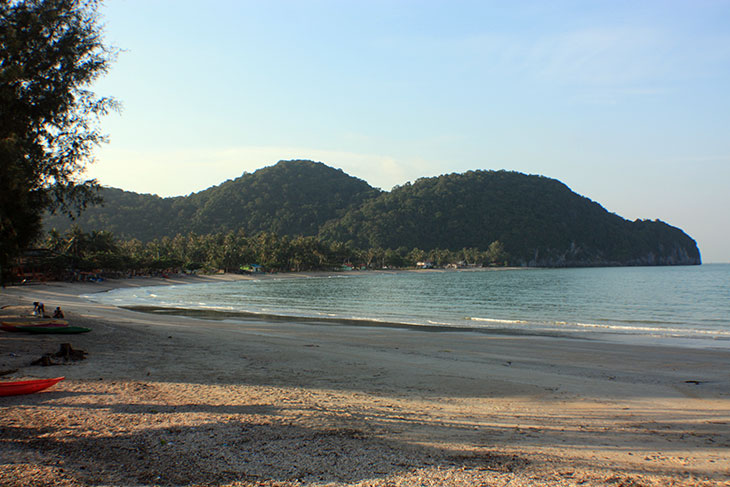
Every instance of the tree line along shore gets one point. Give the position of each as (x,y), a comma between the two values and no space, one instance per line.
(75,254)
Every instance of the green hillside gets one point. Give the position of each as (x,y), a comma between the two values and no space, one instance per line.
(125,214)
(538,220)
(289,198)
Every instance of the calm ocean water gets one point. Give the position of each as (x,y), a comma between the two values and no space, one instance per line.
(686,306)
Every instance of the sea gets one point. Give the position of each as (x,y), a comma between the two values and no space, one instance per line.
(681,306)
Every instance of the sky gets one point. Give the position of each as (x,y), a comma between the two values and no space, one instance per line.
(627,103)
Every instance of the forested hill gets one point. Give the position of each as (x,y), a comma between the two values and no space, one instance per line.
(539,220)
(289,198)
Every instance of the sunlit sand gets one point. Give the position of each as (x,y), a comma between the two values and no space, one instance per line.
(169,400)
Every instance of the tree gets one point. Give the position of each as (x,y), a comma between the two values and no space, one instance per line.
(496,253)
(50,52)
(76,242)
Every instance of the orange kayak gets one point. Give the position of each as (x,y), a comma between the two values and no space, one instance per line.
(18,387)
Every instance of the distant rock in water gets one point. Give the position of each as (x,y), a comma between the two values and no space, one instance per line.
(538,220)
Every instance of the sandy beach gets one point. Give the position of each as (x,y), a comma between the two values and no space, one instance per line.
(170,400)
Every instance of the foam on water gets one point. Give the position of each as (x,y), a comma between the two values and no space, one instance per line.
(670,302)
(495,320)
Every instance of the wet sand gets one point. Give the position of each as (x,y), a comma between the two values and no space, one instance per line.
(171,400)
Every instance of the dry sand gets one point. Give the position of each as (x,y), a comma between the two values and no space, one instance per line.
(168,400)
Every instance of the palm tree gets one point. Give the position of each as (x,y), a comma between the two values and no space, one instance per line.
(76,244)
(55,241)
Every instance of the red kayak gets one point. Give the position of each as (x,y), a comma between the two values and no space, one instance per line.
(26,386)
(20,325)
(45,321)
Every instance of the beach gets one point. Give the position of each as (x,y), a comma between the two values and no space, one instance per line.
(172,400)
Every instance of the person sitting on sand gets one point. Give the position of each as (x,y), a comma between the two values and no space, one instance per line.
(58,313)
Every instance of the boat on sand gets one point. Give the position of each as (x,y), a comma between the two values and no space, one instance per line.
(55,329)
(15,388)
(16,326)
(49,321)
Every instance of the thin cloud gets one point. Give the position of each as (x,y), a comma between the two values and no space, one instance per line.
(601,57)
(180,172)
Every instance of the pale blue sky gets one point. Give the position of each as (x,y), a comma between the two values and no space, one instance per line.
(628,103)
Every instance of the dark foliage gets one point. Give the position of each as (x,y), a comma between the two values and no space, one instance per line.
(50,51)
(80,255)
(539,220)
(533,220)
(290,198)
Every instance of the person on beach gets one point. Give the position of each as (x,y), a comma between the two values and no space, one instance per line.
(58,313)
(39,309)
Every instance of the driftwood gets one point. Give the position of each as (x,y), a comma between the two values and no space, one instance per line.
(68,353)
(45,361)
(65,352)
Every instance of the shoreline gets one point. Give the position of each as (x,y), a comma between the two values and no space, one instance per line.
(353,405)
(617,335)
(619,339)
